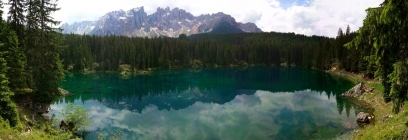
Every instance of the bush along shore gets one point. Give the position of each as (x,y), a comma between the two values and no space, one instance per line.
(374,116)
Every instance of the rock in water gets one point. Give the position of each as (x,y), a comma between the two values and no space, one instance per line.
(355,91)
(348,126)
(363,117)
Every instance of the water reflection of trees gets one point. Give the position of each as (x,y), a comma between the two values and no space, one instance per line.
(178,89)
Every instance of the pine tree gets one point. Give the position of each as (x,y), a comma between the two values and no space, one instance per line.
(31,35)
(1,11)
(45,63)
(15,60)
(8,109)
(16,17)
(348,30)
(384,29)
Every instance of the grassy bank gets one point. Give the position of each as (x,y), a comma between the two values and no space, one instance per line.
(36,128)
(385,125)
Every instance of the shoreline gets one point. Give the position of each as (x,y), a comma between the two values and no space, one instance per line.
(379,129)
(386,125)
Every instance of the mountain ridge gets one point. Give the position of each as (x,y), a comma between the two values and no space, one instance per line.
(164,22)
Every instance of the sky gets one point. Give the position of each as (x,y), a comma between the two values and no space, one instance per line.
(309,17)
(245,114)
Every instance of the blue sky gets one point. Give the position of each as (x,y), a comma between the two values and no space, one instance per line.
(310,17)
(288,3)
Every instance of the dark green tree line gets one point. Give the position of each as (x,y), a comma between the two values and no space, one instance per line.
(106,53)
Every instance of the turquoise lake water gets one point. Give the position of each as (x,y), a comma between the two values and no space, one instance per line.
(212,103)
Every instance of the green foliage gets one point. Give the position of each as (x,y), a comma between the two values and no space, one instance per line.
(17,18)
(1,11)
(8,109)
(204,51)
(76,115)
(394,127)
(43,46)
(5,129)
(384,29)
(15,59)
(399,88)
(29,60)
(41,132)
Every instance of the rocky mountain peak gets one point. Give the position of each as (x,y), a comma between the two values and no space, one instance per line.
(164,22)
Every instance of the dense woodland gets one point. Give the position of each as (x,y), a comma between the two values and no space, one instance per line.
(107,53)
(30,65)
(385,29)
(33,54)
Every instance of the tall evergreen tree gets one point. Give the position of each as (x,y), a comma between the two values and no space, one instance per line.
(1,11)
(15,59)
(384,28)
(45,63)
(8,109)
(31,35)
(17,18)
(348,30)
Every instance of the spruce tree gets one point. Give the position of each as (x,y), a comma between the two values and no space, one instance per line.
(1,11)
(8,109)
(384,29)
(15,59)
(16,17)
(45,64)
(31,39)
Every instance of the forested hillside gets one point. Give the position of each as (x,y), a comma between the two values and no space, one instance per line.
(106,53)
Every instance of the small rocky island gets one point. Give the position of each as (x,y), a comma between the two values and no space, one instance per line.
(355,91)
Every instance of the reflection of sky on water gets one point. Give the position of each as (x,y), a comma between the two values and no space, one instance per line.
(263,115)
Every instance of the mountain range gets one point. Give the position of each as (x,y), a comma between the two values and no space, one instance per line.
(164,22)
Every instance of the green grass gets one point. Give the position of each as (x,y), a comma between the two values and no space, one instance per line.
(353,78)
(394,127)
(391,128)
(41,130)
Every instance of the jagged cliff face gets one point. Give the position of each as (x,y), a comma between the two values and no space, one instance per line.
(164,22)
(79,27)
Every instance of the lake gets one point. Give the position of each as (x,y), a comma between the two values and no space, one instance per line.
(213,103)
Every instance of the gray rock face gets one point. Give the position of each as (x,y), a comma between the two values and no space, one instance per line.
(363,117)
(164,22)
(355,91)
(83,27)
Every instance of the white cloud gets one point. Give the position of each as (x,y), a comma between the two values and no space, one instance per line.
(322,17)
(319,17)
(246,115)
